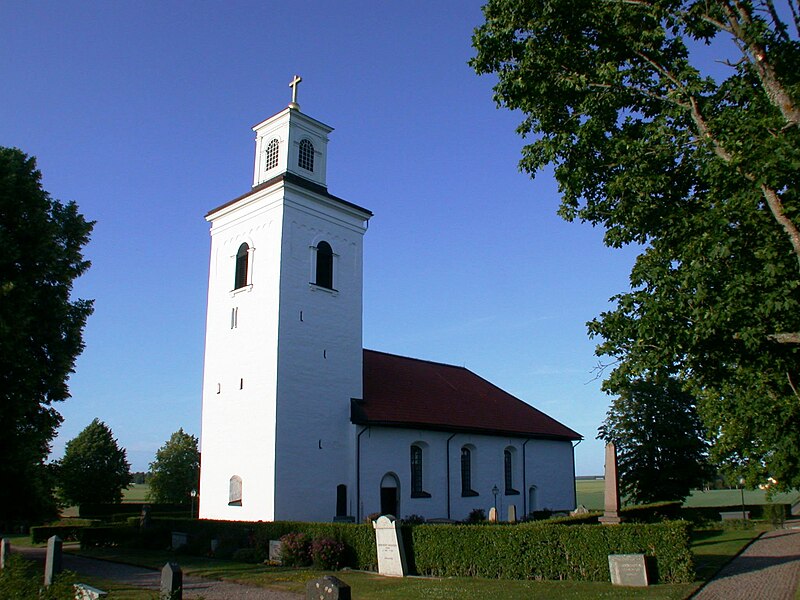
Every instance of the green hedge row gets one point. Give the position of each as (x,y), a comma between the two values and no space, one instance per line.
(525,551)
(551,552)
(65,531)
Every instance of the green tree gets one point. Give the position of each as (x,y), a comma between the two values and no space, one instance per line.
(175,471)
(701,171)
(40,329)
(94,468)
(660,440)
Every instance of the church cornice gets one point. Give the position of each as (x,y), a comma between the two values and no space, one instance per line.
(299,181)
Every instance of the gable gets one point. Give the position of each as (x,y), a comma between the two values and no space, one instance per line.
(408,392)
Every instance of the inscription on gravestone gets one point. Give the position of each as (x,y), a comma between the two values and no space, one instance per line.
(628,569)
(391,558)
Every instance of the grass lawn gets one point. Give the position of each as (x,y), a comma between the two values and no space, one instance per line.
(712,548)
(136,493)
(591,493)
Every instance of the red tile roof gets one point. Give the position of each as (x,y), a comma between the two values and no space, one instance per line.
(408,392)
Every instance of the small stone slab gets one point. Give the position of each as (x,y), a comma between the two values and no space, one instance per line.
(628,569)
(327,588)
(391,557)
(275,551)
(87,592)
(179,540)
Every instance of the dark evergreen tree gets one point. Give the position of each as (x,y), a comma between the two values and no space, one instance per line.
(661,443)
(41,244)
(94,468)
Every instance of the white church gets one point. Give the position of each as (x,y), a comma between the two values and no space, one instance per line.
(299,421)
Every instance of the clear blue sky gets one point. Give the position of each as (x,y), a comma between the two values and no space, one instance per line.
(141,113)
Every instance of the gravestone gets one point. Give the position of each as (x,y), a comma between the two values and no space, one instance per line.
(327,588)
(275,550)
(628,569)
(512,513)
(5,550)
(611,504)
(171,582)
(179,540)
(87,592)
(52,563)
(144,518)
(389,543)
(493,515)
(581,510)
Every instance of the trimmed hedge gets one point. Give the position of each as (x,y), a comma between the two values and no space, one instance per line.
(65,531)
(525,551)
(551,552)
(122,511)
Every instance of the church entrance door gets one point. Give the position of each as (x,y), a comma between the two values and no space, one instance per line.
(390,495)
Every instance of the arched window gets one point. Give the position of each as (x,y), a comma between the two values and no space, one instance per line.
(466,472)
(417,480)
(271,155)
(241,266)
(341,500)
(235,491)
(508,467)
(305,158)
(324,270)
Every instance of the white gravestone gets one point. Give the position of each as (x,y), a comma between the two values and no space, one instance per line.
(389,543)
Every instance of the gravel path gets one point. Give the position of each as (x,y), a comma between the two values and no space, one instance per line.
(193,587)
(768,569)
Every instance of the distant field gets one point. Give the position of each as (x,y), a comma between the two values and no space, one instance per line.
(136,493)
(590,495)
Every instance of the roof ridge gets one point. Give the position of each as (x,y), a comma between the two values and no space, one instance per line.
(423,360)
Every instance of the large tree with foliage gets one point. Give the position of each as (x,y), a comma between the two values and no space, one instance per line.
(174,473)
(702,171)
(94,468)
(661,443)
(41,242)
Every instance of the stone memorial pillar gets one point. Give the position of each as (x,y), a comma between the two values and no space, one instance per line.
(389,543)
(611,504)
(493,515)
(52,563)
(171,582)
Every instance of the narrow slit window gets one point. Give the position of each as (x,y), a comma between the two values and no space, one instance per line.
(466,472)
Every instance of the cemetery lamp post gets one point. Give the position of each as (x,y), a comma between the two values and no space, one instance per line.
(741,489)
(193,494)
(494,491)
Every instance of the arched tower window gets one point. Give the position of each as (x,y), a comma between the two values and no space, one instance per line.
(235,491)
(241,266)
(305,159)
(466,472)
(508,467)
(271,155)
(324,267)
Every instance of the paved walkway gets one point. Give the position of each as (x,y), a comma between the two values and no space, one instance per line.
(768,569)
(193,587)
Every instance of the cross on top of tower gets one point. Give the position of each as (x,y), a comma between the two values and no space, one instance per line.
(293,84)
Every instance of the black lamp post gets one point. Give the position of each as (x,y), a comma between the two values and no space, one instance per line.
(193,494)
(495,491)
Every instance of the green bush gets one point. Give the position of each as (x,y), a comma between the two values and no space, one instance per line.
(296,550)
(327,554)
(249,555)
(21,580)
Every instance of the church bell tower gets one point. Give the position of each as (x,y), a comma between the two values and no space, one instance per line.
(283,354)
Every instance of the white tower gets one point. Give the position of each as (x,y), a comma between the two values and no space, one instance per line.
(283,351)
